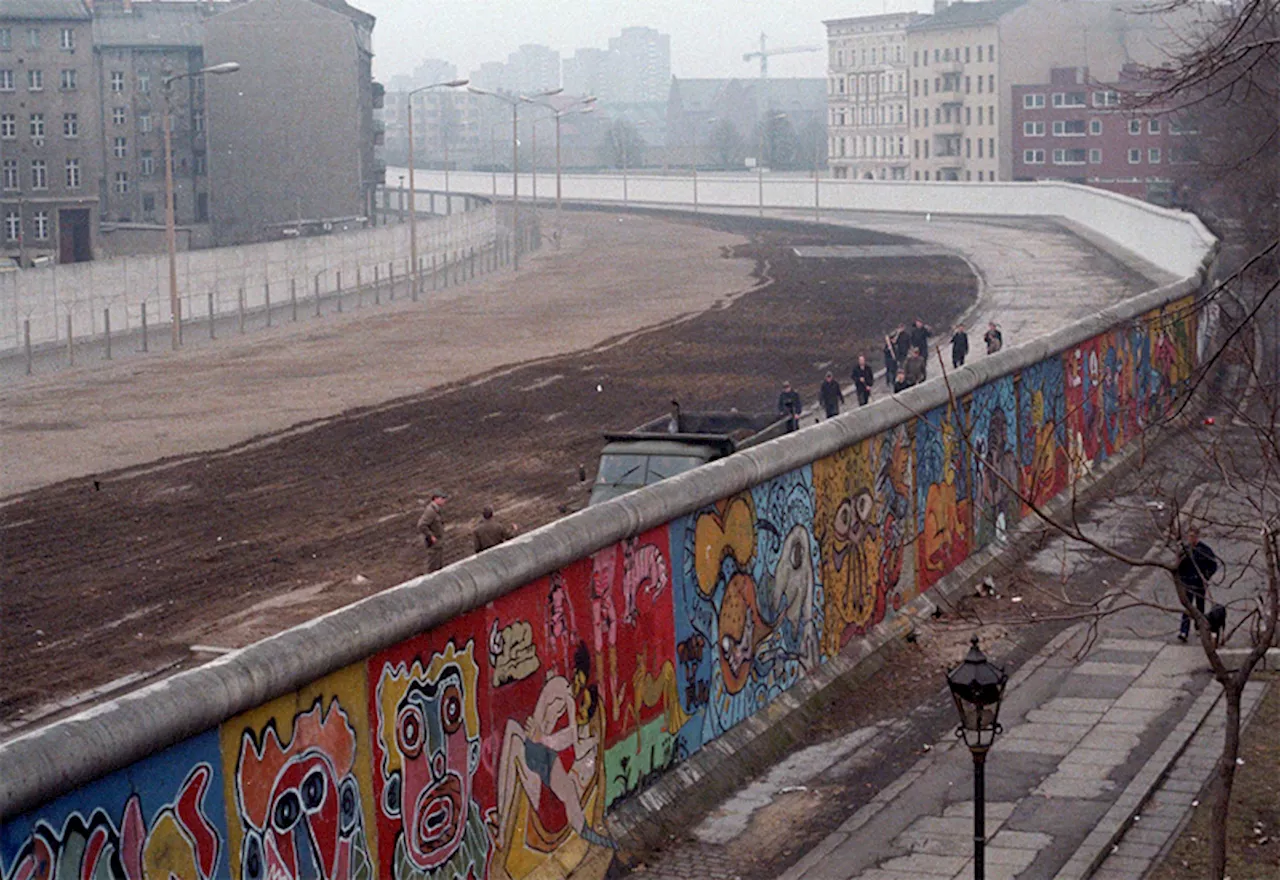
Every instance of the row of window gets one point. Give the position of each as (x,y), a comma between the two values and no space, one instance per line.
(868,84)
(1035,100)
(1076,127)
(67,81)
(949,147)
(950,114)
(948,55)
(874,147)
(66,38)
(878,55)
(951,82)
(884,114)
(71,124)
(1080,156)
(968,175)
(39,225)
(11,180)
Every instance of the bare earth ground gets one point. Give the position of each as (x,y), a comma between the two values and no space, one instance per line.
(124,574)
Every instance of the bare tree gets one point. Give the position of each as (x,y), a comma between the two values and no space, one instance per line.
(727,144)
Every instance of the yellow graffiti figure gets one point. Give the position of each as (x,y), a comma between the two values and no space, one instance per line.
(845,525)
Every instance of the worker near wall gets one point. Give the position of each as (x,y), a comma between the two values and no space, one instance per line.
(790,406)
(830,395)
(489,532)
(431,527)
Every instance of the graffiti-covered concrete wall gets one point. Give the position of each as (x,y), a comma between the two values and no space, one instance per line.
(484,721)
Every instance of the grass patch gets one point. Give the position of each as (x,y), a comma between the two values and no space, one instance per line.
(1253,829)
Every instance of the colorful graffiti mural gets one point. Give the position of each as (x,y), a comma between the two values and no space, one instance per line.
(492,747)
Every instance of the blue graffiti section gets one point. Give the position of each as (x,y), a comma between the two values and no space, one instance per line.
(748,603)
(163,817)
(993,415)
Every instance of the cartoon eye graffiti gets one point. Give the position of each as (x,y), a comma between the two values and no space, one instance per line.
(312,791)
(252,866)
(287,812)
(726,644)
(843,513)
(451,709)
(347,807)
(409,731)
(797,556)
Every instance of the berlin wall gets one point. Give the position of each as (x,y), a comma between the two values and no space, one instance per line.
(486,719)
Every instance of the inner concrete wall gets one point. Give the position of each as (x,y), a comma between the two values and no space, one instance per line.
(495,718)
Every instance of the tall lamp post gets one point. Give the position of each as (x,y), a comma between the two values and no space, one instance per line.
(514,101)
(582,105)
(977,687)
(696,129)
(764,126)
(415,280)
(170,225)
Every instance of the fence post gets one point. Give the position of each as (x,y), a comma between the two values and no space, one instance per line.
(377,294)
(359,290)
(338,281)
(144,325)
(435,277)
(415,276)
(71,349)
(213,333)
(317,285)
(26,341)
(180,331)
(473,264)
(266,296)
(240,307)
(106,329)
(391,280)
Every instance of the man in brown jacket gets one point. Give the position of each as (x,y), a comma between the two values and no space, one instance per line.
(431,526)
(490,533)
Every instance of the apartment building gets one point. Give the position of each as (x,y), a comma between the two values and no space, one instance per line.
(1076,129)
(639,67)
(50,167)
(867,97)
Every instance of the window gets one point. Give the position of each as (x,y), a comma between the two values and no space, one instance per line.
(991,53)
(1033,129)
(144,82)
(37,125)
(35,79)
(122,182)
(1135,156)
(198,119)
(1068,99)
(966,54)
(1033,157)
(968,115)
(11,174)
(117,116)
(1106,99)
(1033,102)
(12,225)
(117,80)
(1095,126)
(8,126)
(68,39)
(68,81)
(979,148)
(1153,126)
(33,38)
(6,80)
(119,147)
(1180,124)
(148,163)
(39,174)
(144,122)
(915,58)
(6,39)
(41,223)
(1135,126)
(980,116)
(1070,157)
(148,204)
(1153,155)
(991,83)
(1068,128)
(73,174)
(979,53)
(991,149)
(1095,157)
(70,125)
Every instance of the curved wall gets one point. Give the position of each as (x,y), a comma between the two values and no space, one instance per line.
(482,720)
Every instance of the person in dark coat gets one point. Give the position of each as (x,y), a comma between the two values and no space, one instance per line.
(1196,565)
(789,405)
(900,381)
(490,533)
(863,379)
(914,368)
(993,338)
(959,347)
(431,527)
(919,340)
(890,362)
(830,395)
(901,343)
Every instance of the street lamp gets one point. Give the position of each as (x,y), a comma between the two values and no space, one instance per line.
(977,687)
(513,101)
(764,125)
(170,226)
(697,128)
(414,278)
(582,105)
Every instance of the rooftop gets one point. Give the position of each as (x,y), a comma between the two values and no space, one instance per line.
(50,10)
(960,15)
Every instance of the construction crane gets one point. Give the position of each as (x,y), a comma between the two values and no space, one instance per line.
(764,54)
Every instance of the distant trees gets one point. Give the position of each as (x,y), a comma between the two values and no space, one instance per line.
(622,145)
(727,145)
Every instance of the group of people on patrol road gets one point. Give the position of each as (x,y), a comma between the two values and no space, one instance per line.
(488,532)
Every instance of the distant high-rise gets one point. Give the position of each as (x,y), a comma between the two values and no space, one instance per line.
(491,75)
(587,72)
(533,68)
(639,66)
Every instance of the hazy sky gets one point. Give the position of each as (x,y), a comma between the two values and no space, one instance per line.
(708,37)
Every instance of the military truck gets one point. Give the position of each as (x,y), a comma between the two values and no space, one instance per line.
(674,444)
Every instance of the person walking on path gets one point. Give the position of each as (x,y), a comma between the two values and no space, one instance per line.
(959,347)
(830,395)
(431,527)
(913,369)
(789,405)
(901,343)
(919,340)
(890,362)
(490,533)
(1196,565)
(993,338)
(864,378)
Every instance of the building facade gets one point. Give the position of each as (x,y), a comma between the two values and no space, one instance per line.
(867,76)
(50,164)
(291,135)
(639,67)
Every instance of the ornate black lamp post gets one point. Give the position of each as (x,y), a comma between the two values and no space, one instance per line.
(977,686)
